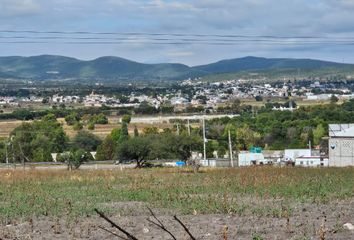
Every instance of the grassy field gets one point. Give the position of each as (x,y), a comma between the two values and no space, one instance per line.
(248,203)
(54,193)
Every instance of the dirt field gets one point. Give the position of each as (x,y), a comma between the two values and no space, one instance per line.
(250,203)
(308,221)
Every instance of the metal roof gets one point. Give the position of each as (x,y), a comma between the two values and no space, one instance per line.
(341,130)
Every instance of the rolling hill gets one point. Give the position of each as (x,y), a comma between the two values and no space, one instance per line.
(49,67)
(257,63)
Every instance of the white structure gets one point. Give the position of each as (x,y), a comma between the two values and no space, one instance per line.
(93,155)
(311,162)
(341,145)
(54,156)
(248,159)
(292,154)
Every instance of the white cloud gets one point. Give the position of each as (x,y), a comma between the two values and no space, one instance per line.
(180,54)
(332,18)
(9,8)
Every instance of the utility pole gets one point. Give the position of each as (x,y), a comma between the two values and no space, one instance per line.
(230,149)
(6,154)
(189,127)
(310,147)
(204,140)
(13,153)
(22,157)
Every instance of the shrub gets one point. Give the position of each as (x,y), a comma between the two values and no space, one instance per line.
(74,159)
(91,126)
(78,126)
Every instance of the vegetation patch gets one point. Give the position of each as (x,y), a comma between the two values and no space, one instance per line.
(77,193)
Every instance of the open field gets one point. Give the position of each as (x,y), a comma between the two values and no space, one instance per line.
(100,130)
(272,203)
(7,126)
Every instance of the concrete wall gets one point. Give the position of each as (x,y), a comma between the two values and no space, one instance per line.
(341,152)
(217,163)
(246,158)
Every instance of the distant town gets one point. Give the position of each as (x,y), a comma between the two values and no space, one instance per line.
(192,93)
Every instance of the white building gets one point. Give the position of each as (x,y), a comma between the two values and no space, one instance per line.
(249,159)
(313,161)
(341,145)
(292,154)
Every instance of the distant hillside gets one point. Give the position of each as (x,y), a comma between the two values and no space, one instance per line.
(115,69)
(48,67)
(256,63)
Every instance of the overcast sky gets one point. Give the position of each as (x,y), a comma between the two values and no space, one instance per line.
(327,19)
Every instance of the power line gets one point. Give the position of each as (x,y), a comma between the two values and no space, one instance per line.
(171,43)
(115,38)
(169,34)
(174,39)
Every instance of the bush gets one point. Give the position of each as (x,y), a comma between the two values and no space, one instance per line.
(72,118)
(91,126)
(78,126)
(99,119)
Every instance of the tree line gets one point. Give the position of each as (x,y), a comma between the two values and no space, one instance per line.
(273,130)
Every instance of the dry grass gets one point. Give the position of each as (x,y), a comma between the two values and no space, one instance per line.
(6,127)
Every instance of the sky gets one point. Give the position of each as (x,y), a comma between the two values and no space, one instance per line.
(191,32)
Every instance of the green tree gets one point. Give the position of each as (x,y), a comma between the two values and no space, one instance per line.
(106,150)
(115,134)
(35,141)
(42,155)
(99,119)
(318,134)
(137,149)
(86,140)
(307,136)
(72,118)
(74,159)
(172,146)
(126,119)
(124,134)
(246,137)
(49,117)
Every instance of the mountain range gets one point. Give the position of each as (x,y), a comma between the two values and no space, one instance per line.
(50,67)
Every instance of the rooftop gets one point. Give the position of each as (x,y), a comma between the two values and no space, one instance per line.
(341,130)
